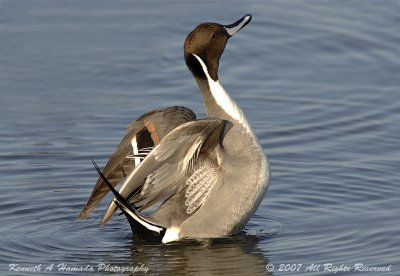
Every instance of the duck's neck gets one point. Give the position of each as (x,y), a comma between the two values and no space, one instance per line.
(218,102)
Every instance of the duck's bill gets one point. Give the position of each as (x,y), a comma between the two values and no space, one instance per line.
(235,27)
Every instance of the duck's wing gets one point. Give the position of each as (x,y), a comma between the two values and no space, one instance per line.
(142,136)
(188,159)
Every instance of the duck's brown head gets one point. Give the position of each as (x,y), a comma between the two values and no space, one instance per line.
(207,41)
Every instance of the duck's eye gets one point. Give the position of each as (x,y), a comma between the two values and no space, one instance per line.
(213,35)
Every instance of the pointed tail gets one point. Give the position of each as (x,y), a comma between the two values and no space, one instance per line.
(143,229)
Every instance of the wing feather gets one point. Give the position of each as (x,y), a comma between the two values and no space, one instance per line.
(200,184)
(147,131)
(168,167)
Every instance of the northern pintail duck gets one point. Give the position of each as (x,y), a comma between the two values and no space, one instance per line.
(204,178)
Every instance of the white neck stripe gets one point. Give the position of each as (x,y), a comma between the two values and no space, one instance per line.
(222,98)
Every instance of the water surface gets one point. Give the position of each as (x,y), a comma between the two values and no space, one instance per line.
(318,80)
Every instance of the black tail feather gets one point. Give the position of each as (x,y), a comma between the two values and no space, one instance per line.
(142,228)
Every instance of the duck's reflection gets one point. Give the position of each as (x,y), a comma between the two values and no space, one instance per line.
(238,255)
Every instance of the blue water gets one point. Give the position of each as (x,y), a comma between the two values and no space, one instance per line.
(318,80)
